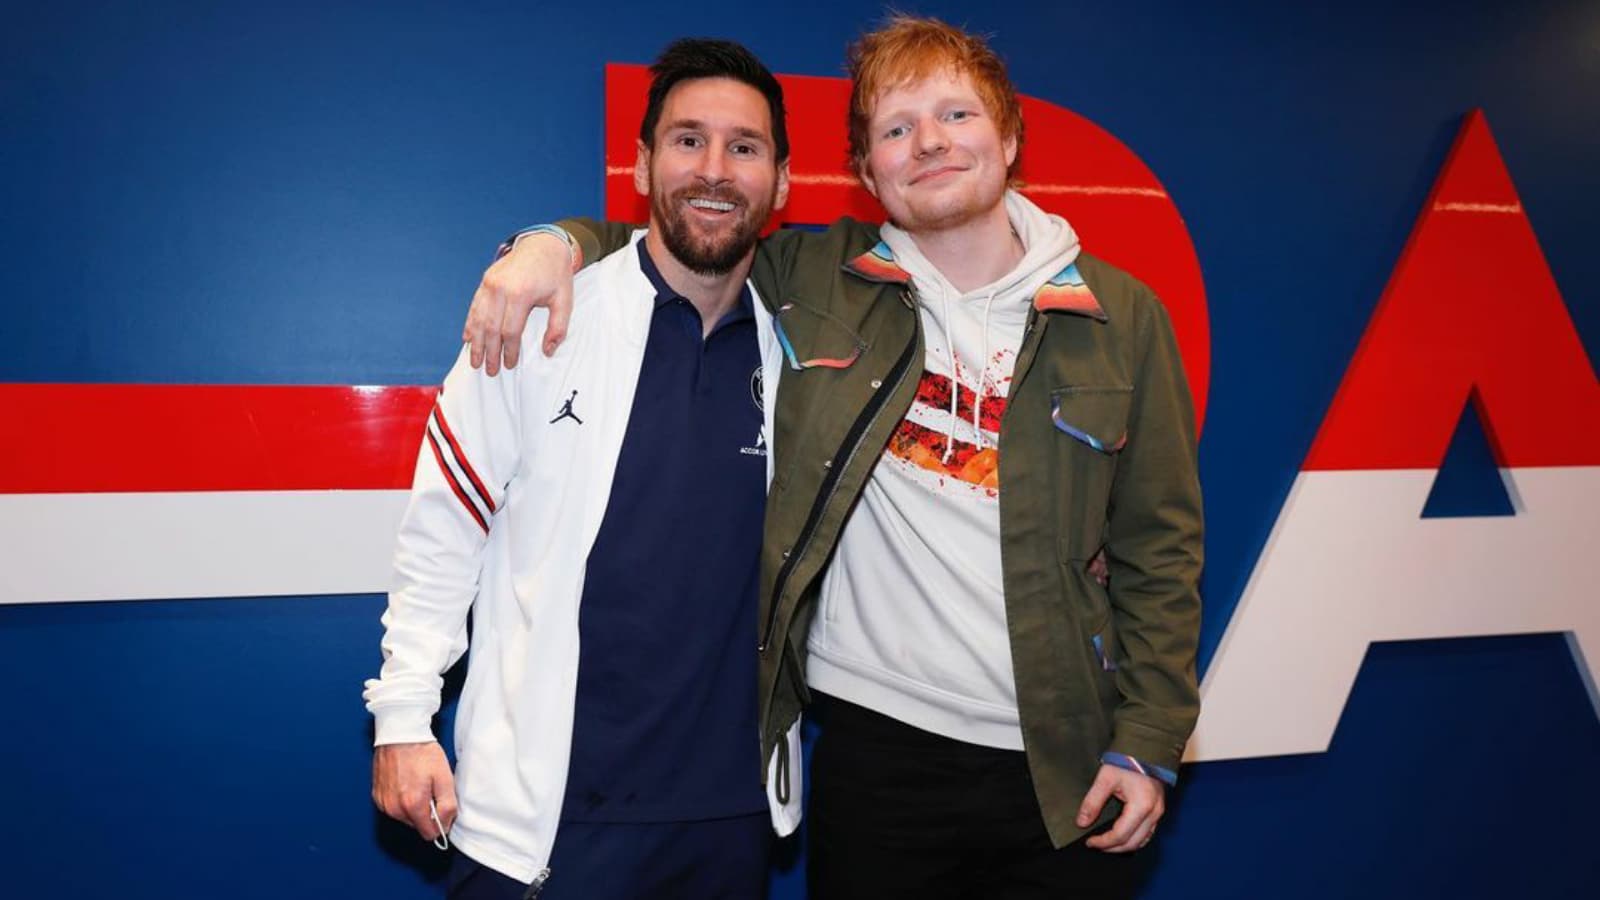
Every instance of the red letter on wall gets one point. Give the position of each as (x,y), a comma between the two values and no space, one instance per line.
(1471,309)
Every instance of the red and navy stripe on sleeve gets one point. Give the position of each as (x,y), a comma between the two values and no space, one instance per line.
(458,471)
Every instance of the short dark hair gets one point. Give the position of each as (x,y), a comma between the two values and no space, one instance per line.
(690,58)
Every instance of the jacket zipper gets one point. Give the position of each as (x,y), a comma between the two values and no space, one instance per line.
(836,467)
(538,884)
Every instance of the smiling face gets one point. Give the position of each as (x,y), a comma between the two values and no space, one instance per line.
(712,173)
(935,157)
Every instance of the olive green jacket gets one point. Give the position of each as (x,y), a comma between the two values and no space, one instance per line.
(1097,450)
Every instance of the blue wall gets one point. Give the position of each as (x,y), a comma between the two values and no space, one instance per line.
(306,193)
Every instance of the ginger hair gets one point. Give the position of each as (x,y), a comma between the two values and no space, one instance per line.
(908,49)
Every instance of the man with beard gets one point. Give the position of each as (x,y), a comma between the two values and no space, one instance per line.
(608,498)
(973,411)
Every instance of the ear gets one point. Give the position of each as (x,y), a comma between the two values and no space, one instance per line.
(864,172)
(781,196)
(1010,145)
(641,169)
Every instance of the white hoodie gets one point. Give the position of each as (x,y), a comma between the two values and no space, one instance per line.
(913,621)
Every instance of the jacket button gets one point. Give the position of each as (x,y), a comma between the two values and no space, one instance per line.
(786,554)
(827,464)
(877,383)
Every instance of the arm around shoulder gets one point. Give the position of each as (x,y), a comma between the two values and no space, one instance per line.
(596,239)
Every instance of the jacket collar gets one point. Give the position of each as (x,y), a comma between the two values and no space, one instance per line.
(878,264)
(1065,292)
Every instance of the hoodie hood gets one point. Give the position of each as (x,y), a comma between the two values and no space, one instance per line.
(1049,246)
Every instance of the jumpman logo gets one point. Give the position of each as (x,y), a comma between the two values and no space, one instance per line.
(566,411)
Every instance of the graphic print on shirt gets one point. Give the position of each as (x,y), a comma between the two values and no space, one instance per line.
(943,453)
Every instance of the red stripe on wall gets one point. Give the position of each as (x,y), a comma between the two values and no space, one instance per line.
(79,438)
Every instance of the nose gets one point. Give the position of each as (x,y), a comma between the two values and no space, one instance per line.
(713,168)
(931,137)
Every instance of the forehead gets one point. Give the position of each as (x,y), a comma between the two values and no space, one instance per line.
(716,104)
(939,86)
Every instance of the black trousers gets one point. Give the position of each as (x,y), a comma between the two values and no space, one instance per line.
(897,812)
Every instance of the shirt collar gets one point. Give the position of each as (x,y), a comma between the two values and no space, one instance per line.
(1066,291)
(665,294)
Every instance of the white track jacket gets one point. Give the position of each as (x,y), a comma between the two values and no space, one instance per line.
(507,499)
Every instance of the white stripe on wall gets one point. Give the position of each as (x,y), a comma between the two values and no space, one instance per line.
(63,548)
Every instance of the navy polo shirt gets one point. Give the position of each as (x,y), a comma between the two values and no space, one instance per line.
(665,725)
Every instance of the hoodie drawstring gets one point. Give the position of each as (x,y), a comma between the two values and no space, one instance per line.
(983,366)
(955,382)
(955,386)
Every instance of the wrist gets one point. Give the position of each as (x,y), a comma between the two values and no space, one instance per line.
(574,252)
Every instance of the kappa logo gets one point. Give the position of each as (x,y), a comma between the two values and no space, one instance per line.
(566,411)
(760,448)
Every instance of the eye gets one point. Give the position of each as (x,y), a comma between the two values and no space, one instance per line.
(895,131)
(744,149)
(688,141)
(958,115)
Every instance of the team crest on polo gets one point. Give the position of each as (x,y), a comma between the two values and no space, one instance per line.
(758,384)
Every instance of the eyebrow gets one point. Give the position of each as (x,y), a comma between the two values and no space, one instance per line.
(697,125)
(886,112)
(903,110)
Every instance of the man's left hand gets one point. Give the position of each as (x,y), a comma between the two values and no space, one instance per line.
(1143,802)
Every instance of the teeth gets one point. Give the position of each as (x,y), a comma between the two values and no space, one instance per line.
(717,205)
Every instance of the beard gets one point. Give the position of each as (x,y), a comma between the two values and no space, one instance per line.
(951,212)
(709,255)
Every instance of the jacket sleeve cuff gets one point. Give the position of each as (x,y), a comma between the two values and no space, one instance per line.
(574,250)
(1124,761)
(402,726)
(1154,750)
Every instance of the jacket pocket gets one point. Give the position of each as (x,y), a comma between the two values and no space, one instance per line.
(1091,424)
(815,339)
(1103,644)
(1093,637)
(1091,599)
(1100,633)
(1096,416)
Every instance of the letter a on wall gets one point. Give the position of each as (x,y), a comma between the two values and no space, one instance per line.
(1471,323)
